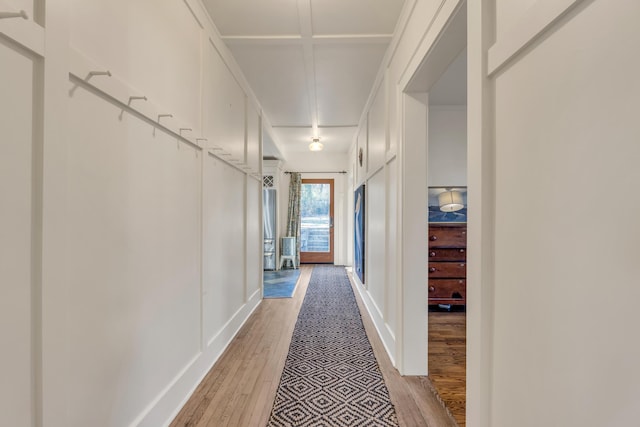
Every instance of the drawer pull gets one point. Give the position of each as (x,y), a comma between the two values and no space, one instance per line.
(432,289)
(433,238)
(461,251)
(432,253)
(432,269)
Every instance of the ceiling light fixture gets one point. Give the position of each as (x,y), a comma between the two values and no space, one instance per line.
(316,145)
(450,201)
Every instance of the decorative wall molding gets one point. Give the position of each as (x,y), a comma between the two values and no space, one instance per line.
(535,23)
(86,72)
(375,171)
(25,32)
(388,338)
(163,409)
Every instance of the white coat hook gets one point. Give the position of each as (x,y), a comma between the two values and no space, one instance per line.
(133,98)
(98,73)
(164,115)
(22,14)
(183,129)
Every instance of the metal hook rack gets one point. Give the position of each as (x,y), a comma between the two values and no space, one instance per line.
(98,73)
(21,14)
(133,98)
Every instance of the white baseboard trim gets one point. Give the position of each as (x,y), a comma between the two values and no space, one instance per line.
(168,404)
(386,336)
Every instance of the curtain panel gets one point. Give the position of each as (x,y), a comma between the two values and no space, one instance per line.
(293,213)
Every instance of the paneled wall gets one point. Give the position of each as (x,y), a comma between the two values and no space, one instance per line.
(566,138)
(552,135)
(19,233)
(130,247)
(395,294)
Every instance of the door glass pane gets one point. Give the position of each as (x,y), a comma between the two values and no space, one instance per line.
(315,218)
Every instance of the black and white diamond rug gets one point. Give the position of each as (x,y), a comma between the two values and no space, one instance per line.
(331,376)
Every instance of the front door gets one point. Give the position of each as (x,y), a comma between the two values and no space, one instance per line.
(316,221)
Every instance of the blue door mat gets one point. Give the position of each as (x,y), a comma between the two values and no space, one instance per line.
(280,284)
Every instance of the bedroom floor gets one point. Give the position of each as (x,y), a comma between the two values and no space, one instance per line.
(447,359)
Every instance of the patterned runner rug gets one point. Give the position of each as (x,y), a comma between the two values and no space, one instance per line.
(331,376)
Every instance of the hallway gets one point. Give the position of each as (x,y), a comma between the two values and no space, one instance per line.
(240,388)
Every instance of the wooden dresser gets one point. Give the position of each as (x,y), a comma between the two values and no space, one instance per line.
(447,264)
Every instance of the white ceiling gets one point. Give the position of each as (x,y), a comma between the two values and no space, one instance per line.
(311,63)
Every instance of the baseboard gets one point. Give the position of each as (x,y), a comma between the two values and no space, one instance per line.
(166,407)
(386,335)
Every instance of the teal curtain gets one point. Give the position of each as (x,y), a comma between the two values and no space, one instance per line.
(293,213)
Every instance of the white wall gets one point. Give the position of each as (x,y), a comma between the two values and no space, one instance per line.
(447,158)
(395,292)
(131,245)
(566,271)
(133,251)
(18,280)
(322,161)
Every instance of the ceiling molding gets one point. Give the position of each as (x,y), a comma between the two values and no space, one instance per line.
(306,31)
(315,40)
(291,126)
(337,126)
(263,40)
(309,126)
(353,38)
(312,63)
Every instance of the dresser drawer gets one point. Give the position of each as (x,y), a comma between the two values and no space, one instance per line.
(451,237)
(447,269)
(447,289)
(447,254)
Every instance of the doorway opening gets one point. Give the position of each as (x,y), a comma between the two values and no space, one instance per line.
(316,221)
(440,83)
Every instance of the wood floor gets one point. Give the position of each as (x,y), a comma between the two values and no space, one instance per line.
(240,388)
(447,360)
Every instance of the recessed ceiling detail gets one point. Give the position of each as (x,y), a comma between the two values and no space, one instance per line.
(311,63)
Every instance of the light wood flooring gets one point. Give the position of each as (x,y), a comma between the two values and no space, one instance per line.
(240,388)
(447,360)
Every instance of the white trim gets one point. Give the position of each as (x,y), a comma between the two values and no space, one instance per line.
(201,15)
(116,89)
(398,33)
(298,40)
(384,332)
(481,196)
(161,410)
(448,107)
(294,40)
(536,21)
(375,171)
(429,40)
(26,33)
(352,38)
